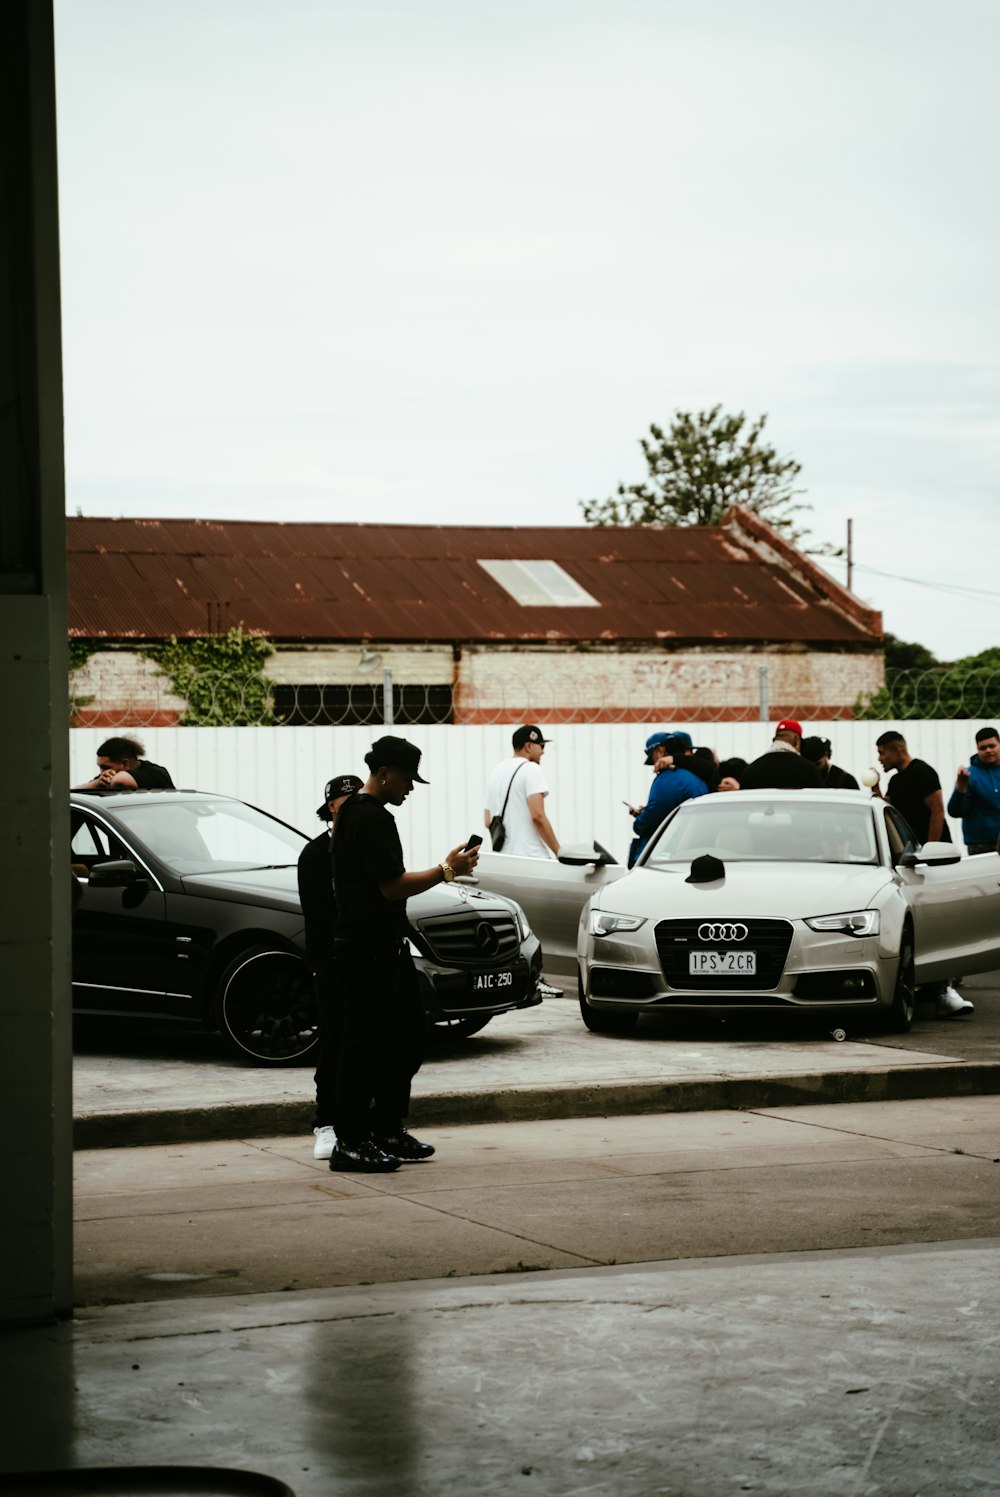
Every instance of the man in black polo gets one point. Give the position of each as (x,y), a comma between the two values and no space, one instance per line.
(382,1033)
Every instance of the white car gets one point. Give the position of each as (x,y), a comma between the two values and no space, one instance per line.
(825,904)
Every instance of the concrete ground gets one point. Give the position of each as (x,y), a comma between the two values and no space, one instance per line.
(135,1084)
(762,1297)
(177,1222)
(797,1300)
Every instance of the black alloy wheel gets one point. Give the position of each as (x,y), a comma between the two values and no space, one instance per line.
(899,1019)
(266,1008)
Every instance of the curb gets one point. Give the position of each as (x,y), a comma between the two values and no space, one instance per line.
(118,1130)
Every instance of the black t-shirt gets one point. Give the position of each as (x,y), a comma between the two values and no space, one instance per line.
(151,776)
(367,852)
(836,778)
(319,904)
(780,770)
(907,789)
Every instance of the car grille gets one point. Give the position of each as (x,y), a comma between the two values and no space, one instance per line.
(468,938)
(770,939)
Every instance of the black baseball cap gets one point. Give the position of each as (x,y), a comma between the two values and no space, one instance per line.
(341,784)
(706,869)
(396,753)
(528,734)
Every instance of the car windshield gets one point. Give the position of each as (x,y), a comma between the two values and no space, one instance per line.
(211,836)
(739,830)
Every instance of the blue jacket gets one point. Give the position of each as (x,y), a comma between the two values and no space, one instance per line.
(979,806)
(670,788)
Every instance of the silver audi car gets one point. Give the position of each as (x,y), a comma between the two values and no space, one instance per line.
(761,902)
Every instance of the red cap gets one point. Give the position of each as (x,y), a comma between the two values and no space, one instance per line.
(789,725)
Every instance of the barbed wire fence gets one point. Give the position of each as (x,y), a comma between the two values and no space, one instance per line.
(224,700)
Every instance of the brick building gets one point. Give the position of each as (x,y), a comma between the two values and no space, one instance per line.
(475,623)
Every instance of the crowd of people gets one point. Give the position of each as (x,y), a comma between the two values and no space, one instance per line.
(354,885)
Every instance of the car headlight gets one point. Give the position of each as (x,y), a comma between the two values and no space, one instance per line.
(604,923)
(523,928)
(853,923)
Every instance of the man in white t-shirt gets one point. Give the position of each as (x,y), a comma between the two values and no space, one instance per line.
(529,831)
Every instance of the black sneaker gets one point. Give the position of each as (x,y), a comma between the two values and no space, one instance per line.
(404,1147)
(366,1156)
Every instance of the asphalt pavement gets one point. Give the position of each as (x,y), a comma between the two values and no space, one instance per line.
(135,1084)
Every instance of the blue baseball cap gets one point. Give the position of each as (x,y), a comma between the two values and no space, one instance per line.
(654,741)
(686,737)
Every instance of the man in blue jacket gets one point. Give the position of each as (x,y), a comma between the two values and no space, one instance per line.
(976,796)
(671,787)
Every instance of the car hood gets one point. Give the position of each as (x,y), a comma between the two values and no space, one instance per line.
(279,888)
(276,887)
(444,899)
(761,890)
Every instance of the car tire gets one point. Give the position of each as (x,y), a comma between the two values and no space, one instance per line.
(900,1016)
(265,1008)
(603,1022)
(460,1028)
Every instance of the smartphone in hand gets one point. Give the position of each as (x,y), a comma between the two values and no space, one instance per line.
(473,842)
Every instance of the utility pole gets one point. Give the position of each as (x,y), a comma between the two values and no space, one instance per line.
(850,556)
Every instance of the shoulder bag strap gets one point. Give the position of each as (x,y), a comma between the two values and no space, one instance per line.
(507,796)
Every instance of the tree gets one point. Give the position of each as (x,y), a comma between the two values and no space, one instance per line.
(918,686)
(705,462)
(906,655)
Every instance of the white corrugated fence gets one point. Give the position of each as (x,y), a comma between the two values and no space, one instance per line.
(591,768)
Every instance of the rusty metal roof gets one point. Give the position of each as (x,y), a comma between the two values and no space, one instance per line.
(738,582)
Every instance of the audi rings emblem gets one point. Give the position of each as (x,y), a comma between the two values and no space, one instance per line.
(720,931)
(487,939)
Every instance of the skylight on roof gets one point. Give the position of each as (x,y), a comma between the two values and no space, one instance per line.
(539,584)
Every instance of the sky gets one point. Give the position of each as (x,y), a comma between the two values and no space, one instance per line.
(445,261)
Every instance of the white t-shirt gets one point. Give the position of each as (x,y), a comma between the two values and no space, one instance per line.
(522,840)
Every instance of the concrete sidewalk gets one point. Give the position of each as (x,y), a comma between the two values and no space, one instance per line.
(180,1221)
(137,1086)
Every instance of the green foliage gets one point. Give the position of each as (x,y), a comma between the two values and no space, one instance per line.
(964,688)
(902,655)
(219,676)
(706,461)
(80,651)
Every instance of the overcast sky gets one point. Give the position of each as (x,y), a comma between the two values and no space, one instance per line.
(444,261)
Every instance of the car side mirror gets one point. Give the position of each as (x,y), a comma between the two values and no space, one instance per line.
(584,855)
(114,873)
(932,855)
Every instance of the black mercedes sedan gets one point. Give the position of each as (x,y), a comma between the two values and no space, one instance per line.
(186,908)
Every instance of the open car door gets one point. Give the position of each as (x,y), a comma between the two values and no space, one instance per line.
(552,894)
(956,910)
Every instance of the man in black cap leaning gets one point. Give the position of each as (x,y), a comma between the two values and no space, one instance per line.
(382,1033)
(319,910)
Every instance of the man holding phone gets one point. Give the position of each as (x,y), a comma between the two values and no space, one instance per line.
(382,1030)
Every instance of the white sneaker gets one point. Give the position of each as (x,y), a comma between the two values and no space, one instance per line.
(326,1142)
(950,1003)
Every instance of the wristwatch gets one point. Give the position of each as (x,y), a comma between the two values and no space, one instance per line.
(447,872)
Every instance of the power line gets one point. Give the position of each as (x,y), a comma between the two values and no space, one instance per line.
(954,589)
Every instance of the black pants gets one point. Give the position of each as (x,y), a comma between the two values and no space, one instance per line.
(381,1041)
(328,987)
